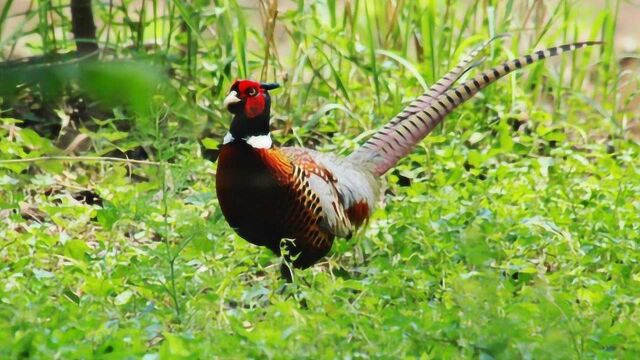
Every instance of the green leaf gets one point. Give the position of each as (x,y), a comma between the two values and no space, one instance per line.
(210,143)
(123,298)
(76,249)
(173,347)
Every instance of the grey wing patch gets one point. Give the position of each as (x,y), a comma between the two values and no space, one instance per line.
(334,218)
(354,183)
(349,184)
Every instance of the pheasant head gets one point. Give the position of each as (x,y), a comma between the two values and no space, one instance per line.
(250,104)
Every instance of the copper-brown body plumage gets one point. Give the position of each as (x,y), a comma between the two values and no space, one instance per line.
(266,198)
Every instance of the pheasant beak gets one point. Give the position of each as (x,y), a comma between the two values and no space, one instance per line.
(232,98)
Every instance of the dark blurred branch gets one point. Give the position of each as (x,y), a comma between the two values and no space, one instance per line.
(83,27)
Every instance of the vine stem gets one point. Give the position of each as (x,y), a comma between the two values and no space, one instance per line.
(170,257)
(82,158)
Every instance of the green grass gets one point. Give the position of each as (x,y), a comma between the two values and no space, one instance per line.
(511,232)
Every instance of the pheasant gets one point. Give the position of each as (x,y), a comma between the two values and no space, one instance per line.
(294,200)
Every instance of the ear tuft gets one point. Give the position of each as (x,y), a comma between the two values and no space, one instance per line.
(269,86)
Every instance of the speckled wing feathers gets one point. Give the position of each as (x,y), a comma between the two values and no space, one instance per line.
(341,186)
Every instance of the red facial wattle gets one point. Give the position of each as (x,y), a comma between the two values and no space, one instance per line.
(253,95)
(254,105)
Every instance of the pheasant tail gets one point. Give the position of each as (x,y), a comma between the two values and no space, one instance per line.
(440,86)
(398,138)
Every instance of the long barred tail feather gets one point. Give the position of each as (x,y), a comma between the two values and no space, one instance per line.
(441,85)
(394,141)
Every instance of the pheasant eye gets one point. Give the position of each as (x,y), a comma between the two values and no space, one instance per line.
(252,92)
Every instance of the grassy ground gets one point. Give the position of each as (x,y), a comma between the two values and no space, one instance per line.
(511,232)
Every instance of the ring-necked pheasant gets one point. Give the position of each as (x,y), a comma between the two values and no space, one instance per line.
(268,193)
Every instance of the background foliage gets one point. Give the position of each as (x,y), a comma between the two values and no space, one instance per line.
(512,231)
